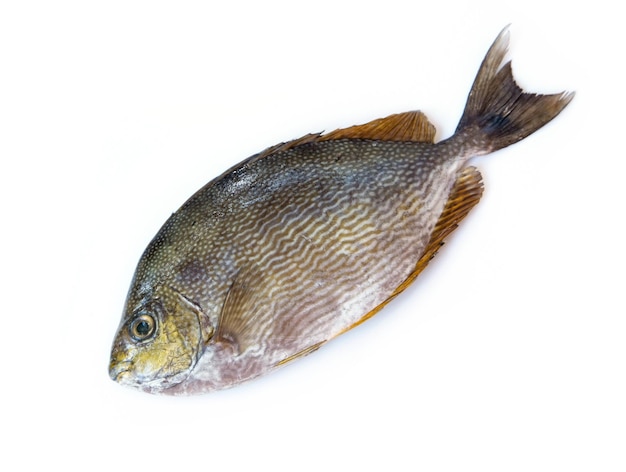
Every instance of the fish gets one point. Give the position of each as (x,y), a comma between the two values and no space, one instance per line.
(310,238)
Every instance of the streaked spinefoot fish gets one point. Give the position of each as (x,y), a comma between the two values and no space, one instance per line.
(307,239)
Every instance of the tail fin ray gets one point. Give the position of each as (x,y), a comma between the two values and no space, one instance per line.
(499,109)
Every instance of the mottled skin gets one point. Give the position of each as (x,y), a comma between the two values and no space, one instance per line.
(300,243)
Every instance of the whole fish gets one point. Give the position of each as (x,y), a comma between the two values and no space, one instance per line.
(307,239)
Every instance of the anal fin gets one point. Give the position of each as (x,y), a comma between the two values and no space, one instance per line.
(465,194)
(302,353)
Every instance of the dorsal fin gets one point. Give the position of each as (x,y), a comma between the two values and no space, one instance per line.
(408,126)
(465,194)
(308,138)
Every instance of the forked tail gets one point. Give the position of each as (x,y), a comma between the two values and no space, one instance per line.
(498,109)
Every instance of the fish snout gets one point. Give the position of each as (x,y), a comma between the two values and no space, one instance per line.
(119,369)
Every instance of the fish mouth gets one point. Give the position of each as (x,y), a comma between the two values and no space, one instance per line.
(122,373)
(119,370)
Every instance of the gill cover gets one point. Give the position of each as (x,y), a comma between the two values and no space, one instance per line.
(158,342)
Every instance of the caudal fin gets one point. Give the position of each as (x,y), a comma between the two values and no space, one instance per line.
(498,109)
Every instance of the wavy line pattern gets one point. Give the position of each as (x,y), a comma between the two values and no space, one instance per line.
(322,234)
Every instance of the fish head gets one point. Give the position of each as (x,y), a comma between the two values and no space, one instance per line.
(159,341)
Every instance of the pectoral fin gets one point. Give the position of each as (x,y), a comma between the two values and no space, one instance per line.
(250,320)
(245,314)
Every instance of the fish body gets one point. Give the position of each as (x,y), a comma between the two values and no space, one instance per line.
(307,239)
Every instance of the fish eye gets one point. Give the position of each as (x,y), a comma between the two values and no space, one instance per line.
(142,327)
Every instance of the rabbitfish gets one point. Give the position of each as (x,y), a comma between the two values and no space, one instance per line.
(307,239)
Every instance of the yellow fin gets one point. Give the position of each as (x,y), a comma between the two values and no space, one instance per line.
(302,353)
(465,194)
(308,138)
(408,126)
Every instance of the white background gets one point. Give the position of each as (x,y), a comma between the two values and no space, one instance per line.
(508,354)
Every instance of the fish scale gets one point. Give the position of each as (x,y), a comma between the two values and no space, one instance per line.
(282,256)
(308,239)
